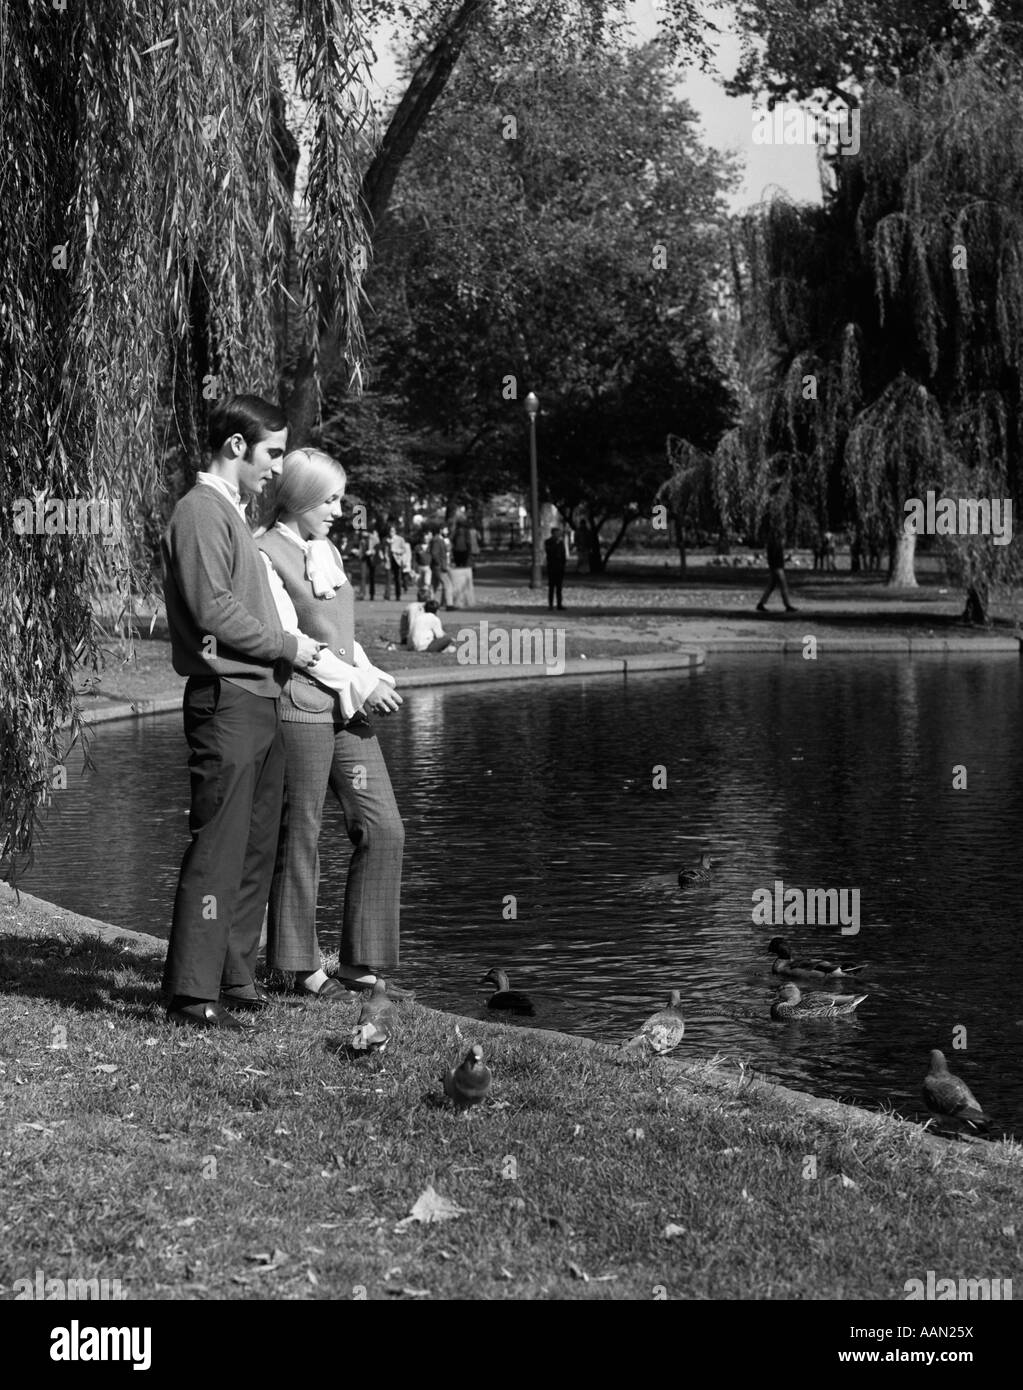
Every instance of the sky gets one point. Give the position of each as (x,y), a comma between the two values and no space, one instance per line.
(727,122)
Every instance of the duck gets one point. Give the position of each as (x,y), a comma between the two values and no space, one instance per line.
(510,999)
(945,1094)
(664,1030)
(700,874)
(469,1083)
(793,1005)
(372,1033)
(812,969)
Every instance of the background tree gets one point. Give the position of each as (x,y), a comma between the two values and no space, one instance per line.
(903,300)
(526,249)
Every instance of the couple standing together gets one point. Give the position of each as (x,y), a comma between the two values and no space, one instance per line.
(275,714)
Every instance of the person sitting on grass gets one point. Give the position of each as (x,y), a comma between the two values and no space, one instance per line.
(411,611)
(425,631)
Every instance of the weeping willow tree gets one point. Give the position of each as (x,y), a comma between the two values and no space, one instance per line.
(891,321)
(152,246)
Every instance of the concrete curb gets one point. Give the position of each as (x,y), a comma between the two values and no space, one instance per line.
(903,646)
(682,660)
(693,1074)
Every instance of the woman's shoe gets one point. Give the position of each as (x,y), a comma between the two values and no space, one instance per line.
(332,991)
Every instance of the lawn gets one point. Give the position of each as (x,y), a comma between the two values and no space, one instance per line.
(272,1166)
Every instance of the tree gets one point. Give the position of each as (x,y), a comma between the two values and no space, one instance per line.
(902,299)
(438,32)
(528,250)
(143,149)
(827,50)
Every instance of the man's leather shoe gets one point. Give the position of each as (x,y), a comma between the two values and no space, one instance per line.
(205,1015)
(261,1000)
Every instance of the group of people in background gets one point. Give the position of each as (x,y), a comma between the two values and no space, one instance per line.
(425,562)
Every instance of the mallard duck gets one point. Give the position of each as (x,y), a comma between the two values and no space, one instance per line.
(664,1030)
(469,1083)
(945,1094)
(505,998)
(812,969)
(688,877)
(793,1005)
(372,1033)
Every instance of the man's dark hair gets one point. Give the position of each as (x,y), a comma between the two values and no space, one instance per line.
(430,606)
(250,416)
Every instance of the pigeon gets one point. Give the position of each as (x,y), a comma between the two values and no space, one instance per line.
(372,1032)
(663,1031)
(945,1094)
(469,1083)
(511,999)
(812,969)
(793,1005)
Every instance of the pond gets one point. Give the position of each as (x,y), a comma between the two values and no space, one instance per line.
(540,797)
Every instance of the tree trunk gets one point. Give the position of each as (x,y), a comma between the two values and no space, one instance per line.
(901,574)
(680,538)
(976,606)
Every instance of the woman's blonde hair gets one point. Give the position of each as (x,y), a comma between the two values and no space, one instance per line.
(308,478)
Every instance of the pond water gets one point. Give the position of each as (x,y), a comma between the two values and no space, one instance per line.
(834,773)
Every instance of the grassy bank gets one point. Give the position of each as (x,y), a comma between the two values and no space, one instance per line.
(194,1166)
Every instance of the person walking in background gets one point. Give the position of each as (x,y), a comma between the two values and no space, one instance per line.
(421,559)
(474,547)
(775,552)
(460,546)
(384,555)
(396,560)
(557,558)
(329,744)
(426,634)
(227,638)
(439,578)
(367,545)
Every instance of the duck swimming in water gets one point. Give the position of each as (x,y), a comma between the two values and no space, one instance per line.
(687,878)
(810,969)
(663,1031)
(510,999)
(793,1005)
(945,1094)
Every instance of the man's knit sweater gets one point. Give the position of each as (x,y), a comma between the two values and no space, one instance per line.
(215,587)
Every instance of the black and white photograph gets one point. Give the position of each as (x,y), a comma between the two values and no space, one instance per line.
(511,756)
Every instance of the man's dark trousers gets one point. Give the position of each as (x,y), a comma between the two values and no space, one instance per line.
(237,774)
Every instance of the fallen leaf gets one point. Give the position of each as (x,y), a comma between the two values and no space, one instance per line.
(1009,1231)
(188,1221)
(672,1230)
(578,1273)
(847,1182)
(430,1207)
(108,1067)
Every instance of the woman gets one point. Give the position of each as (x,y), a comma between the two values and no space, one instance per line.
(329,742)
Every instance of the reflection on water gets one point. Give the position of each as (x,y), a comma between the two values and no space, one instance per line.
(829,773)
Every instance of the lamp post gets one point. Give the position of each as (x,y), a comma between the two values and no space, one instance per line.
(532,409)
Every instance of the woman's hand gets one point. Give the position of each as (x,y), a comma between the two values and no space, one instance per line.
(383,699)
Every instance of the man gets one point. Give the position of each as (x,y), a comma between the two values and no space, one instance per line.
(460,543)
(227,639)
(411,611)
(775,548)
(439,575)
(557,558)
(425,632)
